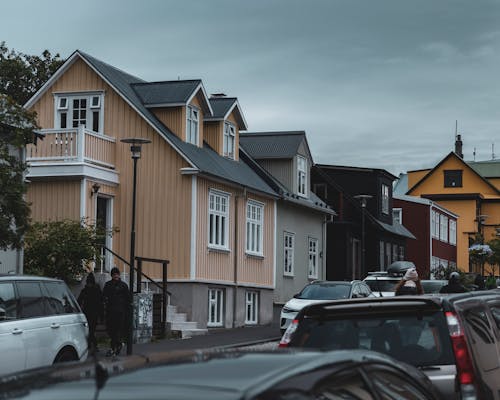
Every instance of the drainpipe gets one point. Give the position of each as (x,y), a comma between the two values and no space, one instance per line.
(326,220)
(243,195)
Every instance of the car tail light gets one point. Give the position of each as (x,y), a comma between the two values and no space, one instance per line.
(465,369)
(287,336)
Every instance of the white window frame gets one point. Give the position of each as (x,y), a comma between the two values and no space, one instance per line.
(385,199)
(436,225)
(443,233)
(288,253)
(67,109)
(251,308)
(453,231)
(302,176)
(218,220)
(192,125)
(397,215)
(312,246)
(254,228)
(215,308)
(229,140)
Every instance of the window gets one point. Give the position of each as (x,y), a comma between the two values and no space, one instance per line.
(381,255)
(75,110)
(32,303)
(252,307)
(301,176)
(60,301)
(192,126)
(397,215)
(395,254)
(443,233)
(434,224)
(289,244)
(388,254)
(229,135)
(313,258)
(215,307)
(453,231)
(385,199)
(255,220)
(8,302)
(401,252)
(453,178)
(218,216)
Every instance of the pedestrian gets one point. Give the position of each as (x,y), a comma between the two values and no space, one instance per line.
(117,305)
(454,285)
(410,284)
(479,282)
(491,282)
(90,300)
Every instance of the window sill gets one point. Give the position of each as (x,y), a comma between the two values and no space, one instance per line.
(255,255)
(288,275)
(218,250)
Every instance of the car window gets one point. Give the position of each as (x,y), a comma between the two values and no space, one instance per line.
(31,301)
(325,292)
(382,285)
(391,386)
(415,339)
(495,312)
(365,289)
(8,301)
(477,320)
(352,387)
(59,299)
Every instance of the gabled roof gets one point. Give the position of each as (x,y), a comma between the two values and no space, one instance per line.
(273,145)
(357,169)
(465,164)
(171,93)
(222,107)
(203,159)
(423,201)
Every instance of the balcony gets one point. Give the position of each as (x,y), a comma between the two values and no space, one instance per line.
(72,152)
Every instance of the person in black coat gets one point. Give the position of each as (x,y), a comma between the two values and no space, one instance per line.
(90,300)
(117,305)
(454,285)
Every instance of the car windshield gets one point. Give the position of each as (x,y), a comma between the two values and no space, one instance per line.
(382,285)
(418,339)
(325,292)
(433,286)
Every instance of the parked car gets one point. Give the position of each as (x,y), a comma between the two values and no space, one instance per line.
(229,375)
(454,339)
(41,323)
(433,285)
(383,283)
(320,291)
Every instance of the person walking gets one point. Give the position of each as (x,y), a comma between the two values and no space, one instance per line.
(410,284)
(90,300)
(454,285)
(117,305)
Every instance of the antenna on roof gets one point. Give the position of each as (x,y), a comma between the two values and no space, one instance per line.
(474,154)
(456,129)
(493,151)
(178,77)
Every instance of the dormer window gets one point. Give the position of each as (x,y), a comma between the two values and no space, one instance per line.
(302,176)
(74,110)
(192,125)
(229,135)
(385,199)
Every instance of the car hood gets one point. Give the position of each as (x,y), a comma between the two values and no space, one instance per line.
(299,304)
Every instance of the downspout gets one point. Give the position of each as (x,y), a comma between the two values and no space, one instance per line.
(326,220)
(236,252)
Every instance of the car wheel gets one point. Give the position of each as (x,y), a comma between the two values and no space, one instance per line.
(66,354)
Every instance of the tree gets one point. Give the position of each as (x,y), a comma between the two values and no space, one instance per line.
(61,249)
(494,258)
(21,75)
(16,130)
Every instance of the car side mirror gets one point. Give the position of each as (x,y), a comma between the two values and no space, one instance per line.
(296,295)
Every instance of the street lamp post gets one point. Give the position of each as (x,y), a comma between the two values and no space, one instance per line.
(135,149)
(363,198)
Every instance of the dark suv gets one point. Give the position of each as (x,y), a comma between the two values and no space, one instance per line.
(454,339)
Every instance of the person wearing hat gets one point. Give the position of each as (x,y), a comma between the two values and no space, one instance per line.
(90,300)
(454,285)
(117,305)
(410,284)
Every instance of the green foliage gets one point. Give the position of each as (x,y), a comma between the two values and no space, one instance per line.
(442,272)
(21,75)
(494,258)
(61,249)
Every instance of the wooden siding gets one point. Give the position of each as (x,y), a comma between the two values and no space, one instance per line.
(163,195)
(91,199)
(174,118)
(415,176)
(213,135)
(282,170)
(54,201)
(220,265)
(495,182)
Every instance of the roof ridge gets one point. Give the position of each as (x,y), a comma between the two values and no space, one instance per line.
(168,81)
(269,133)
(92,58)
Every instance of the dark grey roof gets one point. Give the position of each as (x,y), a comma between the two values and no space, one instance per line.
(167,92)
(396,229)
(487,169)
(221,106)
(265,145)
(205,159)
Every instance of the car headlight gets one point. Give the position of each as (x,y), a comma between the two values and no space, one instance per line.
(288,310)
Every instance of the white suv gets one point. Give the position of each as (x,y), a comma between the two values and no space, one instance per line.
(40,323)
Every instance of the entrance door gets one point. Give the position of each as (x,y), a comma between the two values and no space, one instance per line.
(104,221)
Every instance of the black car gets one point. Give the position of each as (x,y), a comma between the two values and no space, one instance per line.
(454,339)
(228,375)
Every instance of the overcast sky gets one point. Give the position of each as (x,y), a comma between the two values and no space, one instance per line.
(374,83)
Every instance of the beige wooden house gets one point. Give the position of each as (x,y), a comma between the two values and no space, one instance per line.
(198,205)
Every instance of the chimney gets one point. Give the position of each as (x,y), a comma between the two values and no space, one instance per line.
(218,95)
(458,146)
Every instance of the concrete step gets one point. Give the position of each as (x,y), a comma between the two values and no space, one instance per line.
(182,326)
(177,317)
(193,332)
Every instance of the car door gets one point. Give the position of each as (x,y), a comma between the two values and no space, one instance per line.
(11,332)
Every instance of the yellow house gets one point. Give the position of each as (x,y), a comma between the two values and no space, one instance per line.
(469,189)
(198,205)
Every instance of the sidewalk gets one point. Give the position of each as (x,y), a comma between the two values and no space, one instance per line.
(214,338)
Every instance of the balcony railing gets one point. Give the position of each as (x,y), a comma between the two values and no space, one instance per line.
(73,145)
